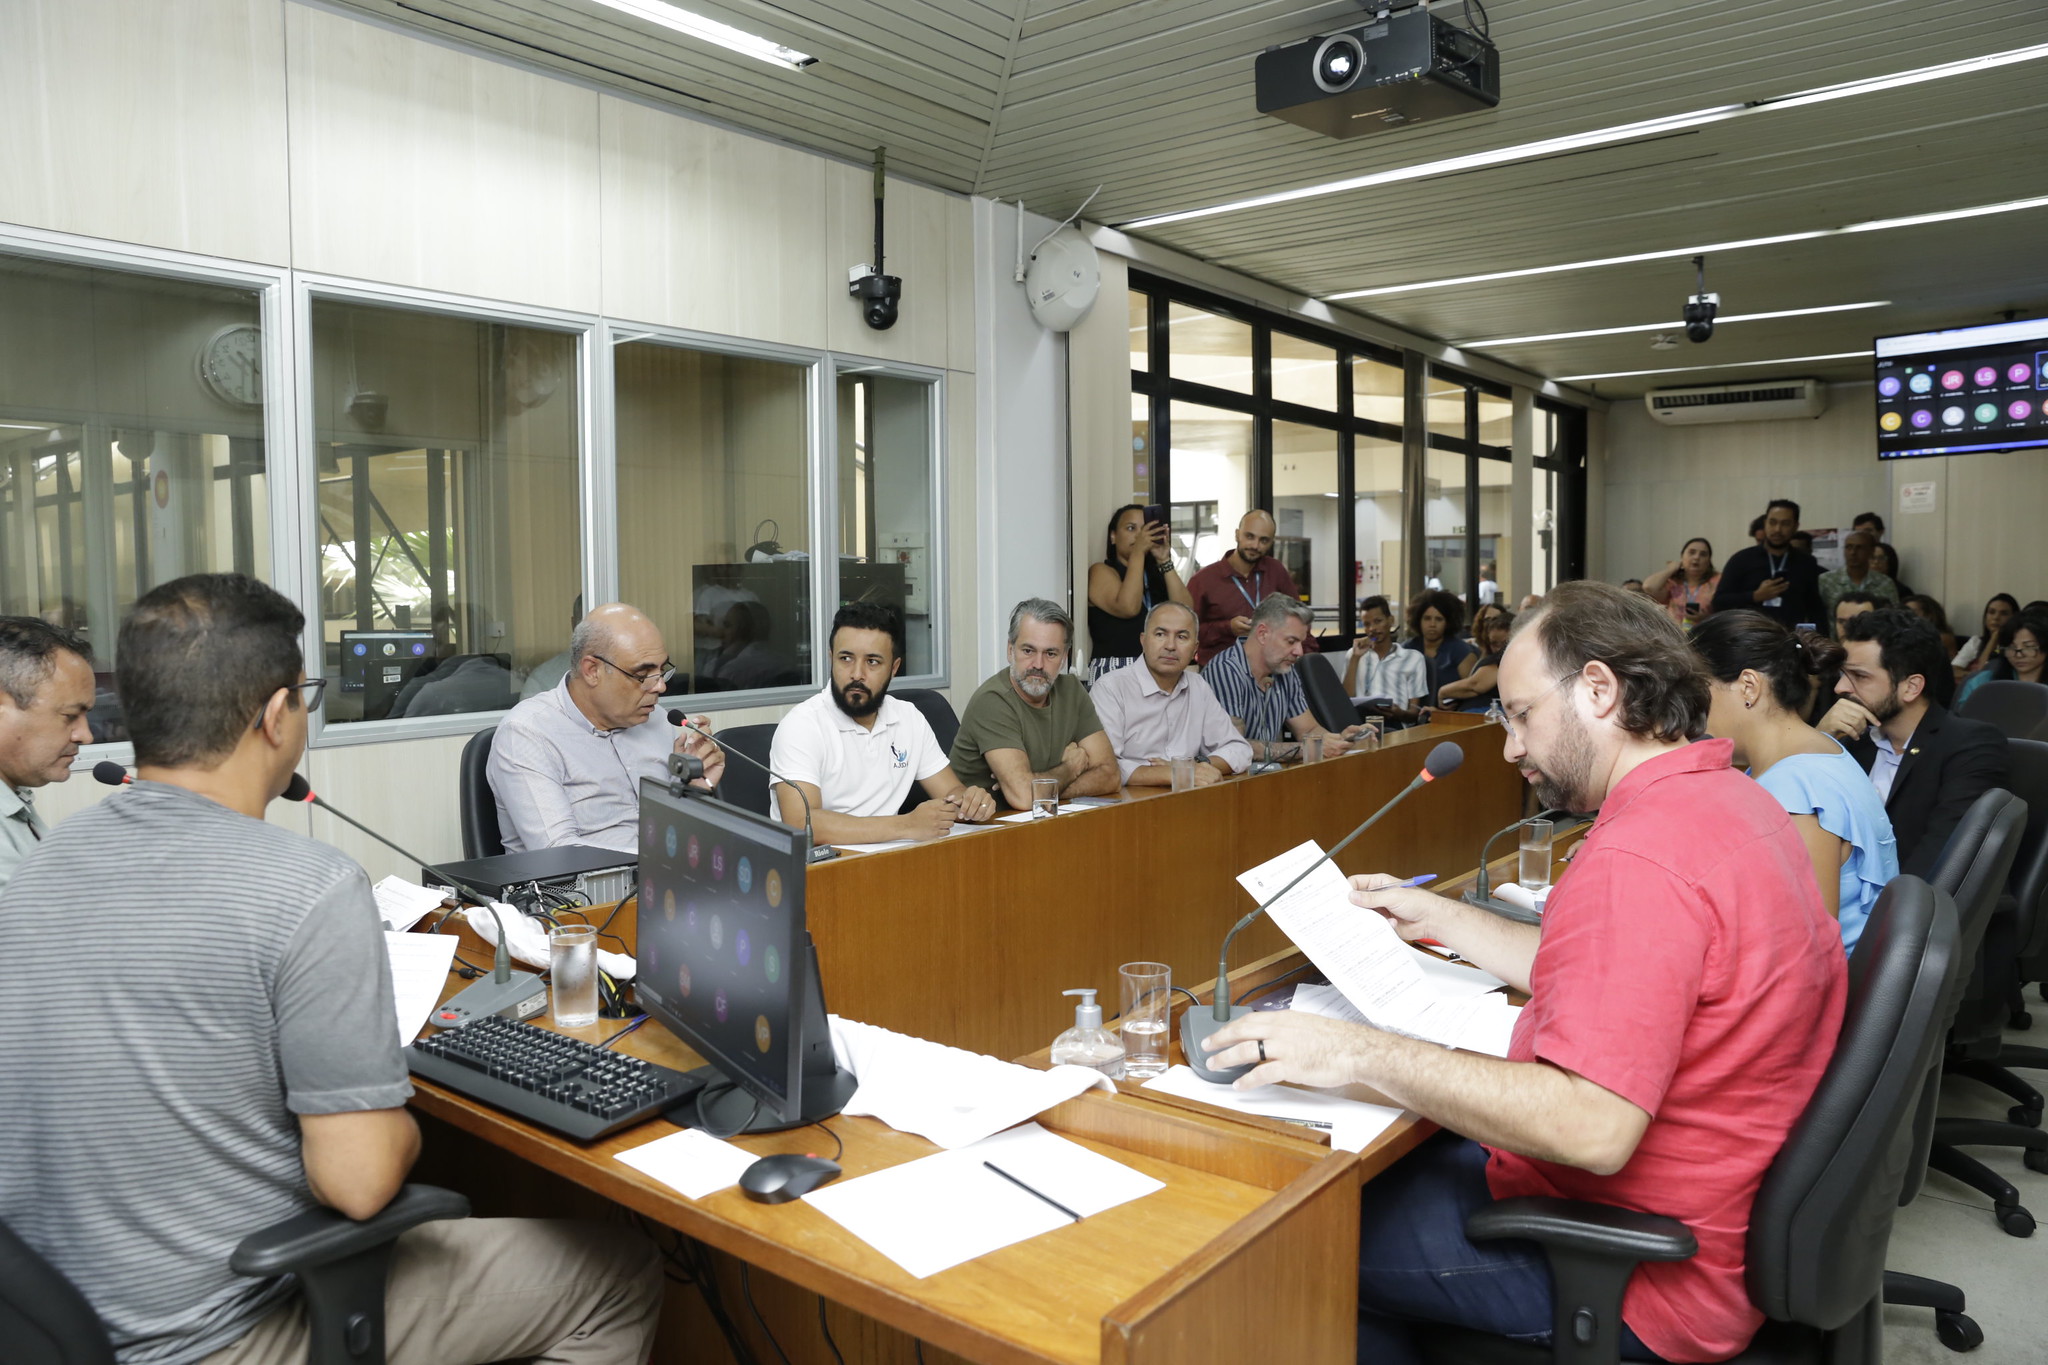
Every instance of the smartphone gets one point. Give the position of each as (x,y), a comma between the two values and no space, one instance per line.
(1155,511)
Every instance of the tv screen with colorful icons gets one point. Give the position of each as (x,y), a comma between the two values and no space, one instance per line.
(1963,391)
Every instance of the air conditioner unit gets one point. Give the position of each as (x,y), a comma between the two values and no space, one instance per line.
(1768,401)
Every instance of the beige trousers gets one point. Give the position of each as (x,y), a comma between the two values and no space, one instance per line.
(472,1290)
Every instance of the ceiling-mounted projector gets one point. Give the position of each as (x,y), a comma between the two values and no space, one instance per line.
(1399,70)
(1062,281)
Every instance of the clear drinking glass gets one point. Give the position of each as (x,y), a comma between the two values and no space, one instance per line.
(1312,749)
(1147,1010)
(572,974)
(1183,770)
(1045,797)
(1375,731)
(1536,842)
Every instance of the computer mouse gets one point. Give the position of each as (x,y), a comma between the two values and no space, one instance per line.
(785,1176)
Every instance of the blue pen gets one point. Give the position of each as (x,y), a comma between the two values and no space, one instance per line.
(1417,881)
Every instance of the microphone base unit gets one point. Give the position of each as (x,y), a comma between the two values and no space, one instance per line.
(1198,1022)
(522,997)
(1493,905)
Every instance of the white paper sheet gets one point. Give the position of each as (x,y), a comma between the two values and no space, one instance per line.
(419,973)
(691,1162)
(1455,980)
(1071,806)
(887,844)
(529,940)
(947,1094)
(402,904)
(1490,1026)
(938,1212)
(1351,1124)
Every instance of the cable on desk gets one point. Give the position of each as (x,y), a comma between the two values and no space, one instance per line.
(747,1288)
(1265,986)
(826,1328)
(838,1142)
(706,1277)
(920,1350)
(697,1109)
(1193,999)
(624,1031)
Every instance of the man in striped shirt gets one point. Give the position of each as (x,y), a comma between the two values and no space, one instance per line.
(1256,682)
(199,1043)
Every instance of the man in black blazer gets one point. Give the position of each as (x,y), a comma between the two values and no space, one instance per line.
(1929,766)
(1773,577)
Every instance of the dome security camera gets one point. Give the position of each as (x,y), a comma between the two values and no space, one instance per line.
(1699,316)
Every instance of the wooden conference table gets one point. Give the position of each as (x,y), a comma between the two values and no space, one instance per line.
(1250,1249)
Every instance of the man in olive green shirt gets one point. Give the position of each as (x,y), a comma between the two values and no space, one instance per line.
(46,689)
(1034,719)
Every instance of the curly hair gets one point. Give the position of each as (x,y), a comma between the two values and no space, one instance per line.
(1664,692)
(1452,610)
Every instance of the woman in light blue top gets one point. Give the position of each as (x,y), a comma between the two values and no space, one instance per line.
(1762,677)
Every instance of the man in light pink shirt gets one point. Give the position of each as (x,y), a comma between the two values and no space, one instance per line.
(1161,712)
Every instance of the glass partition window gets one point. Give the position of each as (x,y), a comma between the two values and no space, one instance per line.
(1141,330)
(1209,349)
(131,445)
(1443,524)
(1212,482)
(1304,372)
(447,530)
(714,511)
(885,505)
(1496,421)
(1377,392)
(1305,516)
(1141,448)
(1376,519)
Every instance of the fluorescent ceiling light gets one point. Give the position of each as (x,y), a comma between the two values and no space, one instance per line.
(1600,137)
(1682,252)
(1669,326)
(711,31)
(1737,365)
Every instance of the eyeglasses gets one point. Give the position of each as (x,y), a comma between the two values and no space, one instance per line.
(1510,719)
(2022,651)
(652,676)
(311,698)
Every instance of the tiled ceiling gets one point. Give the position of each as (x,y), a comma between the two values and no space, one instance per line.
(1043,100)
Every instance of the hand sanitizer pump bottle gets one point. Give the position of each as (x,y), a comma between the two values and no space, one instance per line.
(1088,1043)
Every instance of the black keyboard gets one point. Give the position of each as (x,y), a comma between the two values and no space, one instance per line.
(577,1089)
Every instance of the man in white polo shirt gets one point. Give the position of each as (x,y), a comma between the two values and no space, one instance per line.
(853,750)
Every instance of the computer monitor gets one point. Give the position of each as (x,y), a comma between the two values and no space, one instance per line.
(1963,391)
(377,664)
(725,961)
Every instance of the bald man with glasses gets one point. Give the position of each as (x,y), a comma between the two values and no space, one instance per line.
(566,765)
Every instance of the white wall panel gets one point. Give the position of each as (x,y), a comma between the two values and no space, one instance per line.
(713,230)
(154,123)
(413,163)
(917,249)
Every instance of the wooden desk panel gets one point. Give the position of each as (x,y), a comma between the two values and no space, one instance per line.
(970,940)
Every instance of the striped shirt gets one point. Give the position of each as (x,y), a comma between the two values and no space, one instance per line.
(183,982)
(1262,711)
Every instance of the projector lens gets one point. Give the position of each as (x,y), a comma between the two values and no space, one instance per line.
(1339,63)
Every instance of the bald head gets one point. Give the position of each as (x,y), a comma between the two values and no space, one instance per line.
(617,661)
(1254,538)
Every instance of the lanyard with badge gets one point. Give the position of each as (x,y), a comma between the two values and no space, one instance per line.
(1258,581)
(1777,567)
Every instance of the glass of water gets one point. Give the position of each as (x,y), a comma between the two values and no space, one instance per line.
(1147,1007)
(1536,855)
(1183,773)
(572,974)
(1045,797)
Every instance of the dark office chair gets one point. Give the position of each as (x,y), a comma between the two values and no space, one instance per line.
(1975,866)
(1327,700)
(745,785)
(340,1264)
(476,802)
(938,712)
(1822,1220)
(2018,709)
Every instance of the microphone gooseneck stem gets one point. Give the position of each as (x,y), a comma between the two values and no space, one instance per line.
(1483,883)
(1222,1002)
(772,775)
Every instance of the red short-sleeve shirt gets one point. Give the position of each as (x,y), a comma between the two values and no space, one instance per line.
(1691,969)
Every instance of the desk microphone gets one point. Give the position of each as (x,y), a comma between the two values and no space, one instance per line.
(1197,1024)
(1480,893)
(507,992)
(819,852)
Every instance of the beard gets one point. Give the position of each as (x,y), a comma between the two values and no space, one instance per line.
(1563,782)
(1033,685)
(862,704)
(1888,709)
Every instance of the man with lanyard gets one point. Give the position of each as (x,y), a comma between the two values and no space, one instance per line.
(1255,681)
(1228,592)
(46,689)
(1774,577)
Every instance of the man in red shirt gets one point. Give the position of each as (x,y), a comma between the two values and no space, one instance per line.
(1686,988)
(1227,592)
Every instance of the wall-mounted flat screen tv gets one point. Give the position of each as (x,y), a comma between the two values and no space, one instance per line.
(1963,391)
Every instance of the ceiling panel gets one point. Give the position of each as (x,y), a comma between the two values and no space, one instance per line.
(1152,100)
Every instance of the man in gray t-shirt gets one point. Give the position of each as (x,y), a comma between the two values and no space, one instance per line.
(200,1041)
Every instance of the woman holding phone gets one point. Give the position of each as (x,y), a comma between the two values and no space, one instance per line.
(1686,585)
(1136,574)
